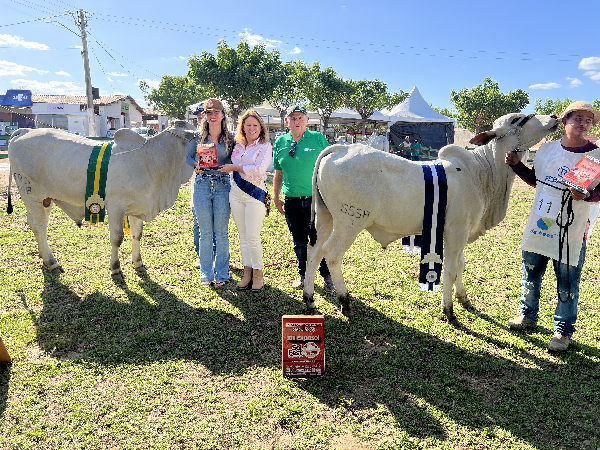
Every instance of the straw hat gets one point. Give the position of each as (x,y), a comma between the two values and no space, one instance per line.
(580,105)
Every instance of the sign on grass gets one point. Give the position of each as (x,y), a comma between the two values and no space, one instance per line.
(303,346)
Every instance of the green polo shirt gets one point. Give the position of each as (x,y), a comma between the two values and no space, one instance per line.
(298,171)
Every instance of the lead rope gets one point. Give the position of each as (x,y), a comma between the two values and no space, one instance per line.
(563,234)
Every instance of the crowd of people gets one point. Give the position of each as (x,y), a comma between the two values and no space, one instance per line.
(236,185)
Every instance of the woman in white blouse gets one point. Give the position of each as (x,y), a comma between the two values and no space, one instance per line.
(250,159)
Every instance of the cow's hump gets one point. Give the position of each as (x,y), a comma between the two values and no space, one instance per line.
(126,139)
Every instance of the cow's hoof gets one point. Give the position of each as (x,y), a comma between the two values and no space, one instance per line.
(346,311)
(141,268)
(117,276)
(313,311)
(56,269)
(469,307)
(455,322)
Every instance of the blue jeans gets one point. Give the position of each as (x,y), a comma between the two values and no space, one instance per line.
(211,207)
(195,230)
(415,157)
(297,216)
(534,267)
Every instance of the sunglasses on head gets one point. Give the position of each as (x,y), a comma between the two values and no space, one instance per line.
(293,149)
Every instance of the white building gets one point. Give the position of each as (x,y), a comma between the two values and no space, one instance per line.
(69,113)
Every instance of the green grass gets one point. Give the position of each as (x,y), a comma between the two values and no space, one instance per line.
(158,362)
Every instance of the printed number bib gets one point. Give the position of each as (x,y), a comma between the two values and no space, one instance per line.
(547,206)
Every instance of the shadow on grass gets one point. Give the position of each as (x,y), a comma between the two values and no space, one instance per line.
(372,360)
(5,369)
(375,360)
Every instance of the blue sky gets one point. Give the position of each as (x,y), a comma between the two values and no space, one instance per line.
(548,48)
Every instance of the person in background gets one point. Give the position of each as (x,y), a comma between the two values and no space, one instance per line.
(294,157)
(415,150)
(211,195)
(406,147)
(250,159)
(541,238)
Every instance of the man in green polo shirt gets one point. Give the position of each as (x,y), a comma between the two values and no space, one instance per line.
(294,158)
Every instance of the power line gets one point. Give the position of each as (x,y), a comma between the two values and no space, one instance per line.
(339,45)
(114,51)
(33,20)
(30,3)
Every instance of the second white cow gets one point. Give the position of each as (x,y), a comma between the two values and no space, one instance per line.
(351,180)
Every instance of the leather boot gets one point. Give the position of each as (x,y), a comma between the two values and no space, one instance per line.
(257,280)
(245,282)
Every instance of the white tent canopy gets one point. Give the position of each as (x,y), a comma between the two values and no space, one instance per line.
(415,109)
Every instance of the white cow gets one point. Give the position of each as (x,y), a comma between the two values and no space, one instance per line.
(356,187)
(144,177)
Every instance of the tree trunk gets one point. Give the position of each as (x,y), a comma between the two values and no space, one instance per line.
(282,116)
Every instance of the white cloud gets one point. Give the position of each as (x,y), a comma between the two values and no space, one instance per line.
(53,87)
(183,57)
(295,51)
(152,83)
(14,69)
(117,93)
(7,39)
(591,63)
(574,82)
(109,79)
(545,86)
(595,76)
(62,72)
(255,39)
(117,74)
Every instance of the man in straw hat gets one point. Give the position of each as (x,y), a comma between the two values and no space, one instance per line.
(550,235)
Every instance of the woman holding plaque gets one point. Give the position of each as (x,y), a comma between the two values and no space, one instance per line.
(248,198)
(208,151)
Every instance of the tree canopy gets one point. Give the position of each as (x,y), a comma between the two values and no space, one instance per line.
(173,95)
(478,107)
(242,77)
(291,90)
(369,96)
(326,91)
(549,106)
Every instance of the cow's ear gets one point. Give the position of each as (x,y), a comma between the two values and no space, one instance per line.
(483,138)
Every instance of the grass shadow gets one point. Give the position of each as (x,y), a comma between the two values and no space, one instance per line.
(5,369)
(374,360)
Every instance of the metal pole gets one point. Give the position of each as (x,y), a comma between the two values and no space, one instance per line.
(88,79)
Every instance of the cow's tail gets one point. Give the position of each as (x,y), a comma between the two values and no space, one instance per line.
(9,208)
(316,194)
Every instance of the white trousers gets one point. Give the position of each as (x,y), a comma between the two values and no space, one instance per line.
(248,215)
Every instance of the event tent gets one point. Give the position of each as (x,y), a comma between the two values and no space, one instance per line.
(417,120)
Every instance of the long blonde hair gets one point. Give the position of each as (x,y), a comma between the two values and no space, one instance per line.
(241,135)
(225,136)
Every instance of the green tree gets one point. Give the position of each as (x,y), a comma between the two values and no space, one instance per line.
(173,95)
(444,111)
(397,97)
(478,107)
(291,90)
(595,130)
(325,91)
(242,77)
(548,107)
(369,96)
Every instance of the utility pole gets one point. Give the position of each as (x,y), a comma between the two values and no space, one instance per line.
(88,79)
